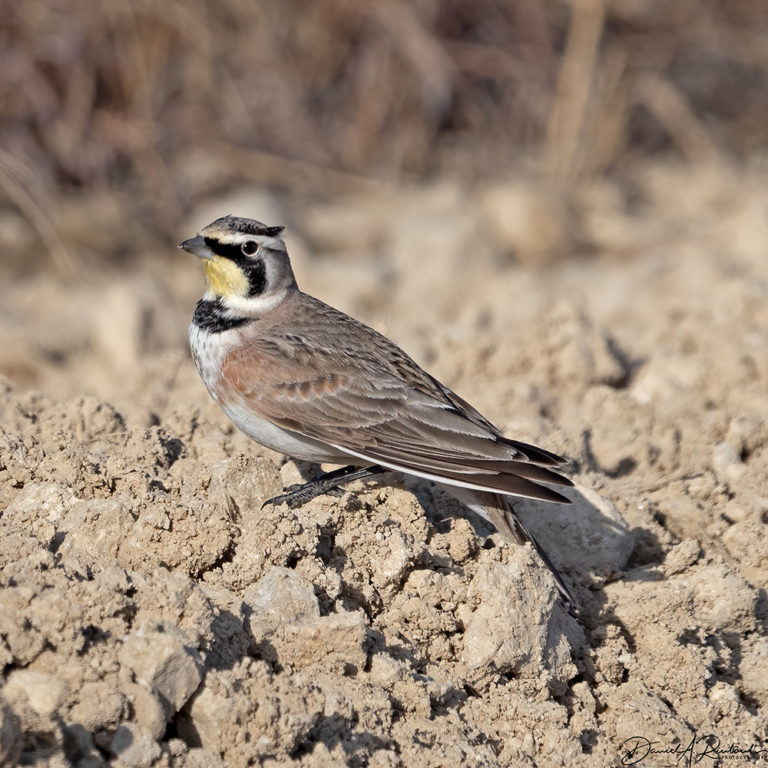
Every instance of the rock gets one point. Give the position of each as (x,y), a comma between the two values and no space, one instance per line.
(285,623)
(44,694)
(754,672)
(393,561)
(133,747)
(587,536)
(724,601)
(41,500)
(681,557)
(334,642)
(98,707)
(148,710)
(95,529)
(515,628)
(747,542)
(643,712)
(281,597)
(159,657)
(10,735)
(385,670)
(248,712)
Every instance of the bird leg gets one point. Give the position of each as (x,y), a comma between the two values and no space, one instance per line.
(301,494)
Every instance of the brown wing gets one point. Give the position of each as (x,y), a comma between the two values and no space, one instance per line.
(365,396)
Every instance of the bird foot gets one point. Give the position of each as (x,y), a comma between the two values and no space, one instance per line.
(299,494)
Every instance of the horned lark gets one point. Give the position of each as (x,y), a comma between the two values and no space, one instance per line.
(306,380)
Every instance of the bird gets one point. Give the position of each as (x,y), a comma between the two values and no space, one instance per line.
(309,381)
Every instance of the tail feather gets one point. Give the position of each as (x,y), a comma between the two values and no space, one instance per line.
(497,509)
(535,454)
(522,534)
(479,475)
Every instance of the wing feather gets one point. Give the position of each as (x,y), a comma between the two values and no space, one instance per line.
(386,410)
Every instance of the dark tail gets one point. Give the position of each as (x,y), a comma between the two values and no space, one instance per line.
(523,534)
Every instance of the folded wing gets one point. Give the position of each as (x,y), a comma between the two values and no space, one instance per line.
(388,411)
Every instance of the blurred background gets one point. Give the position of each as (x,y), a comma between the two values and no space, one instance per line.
(125,114)
(408,145)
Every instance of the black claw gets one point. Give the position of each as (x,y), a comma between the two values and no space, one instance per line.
(330,482)
(286,498)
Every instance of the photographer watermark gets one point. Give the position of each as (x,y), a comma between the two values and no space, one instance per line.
(706,750)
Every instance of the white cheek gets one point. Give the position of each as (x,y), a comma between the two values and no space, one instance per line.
(252,306)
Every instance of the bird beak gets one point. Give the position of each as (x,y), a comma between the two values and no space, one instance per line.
(197,246)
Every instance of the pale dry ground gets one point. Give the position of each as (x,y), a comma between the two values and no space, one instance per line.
(152,615)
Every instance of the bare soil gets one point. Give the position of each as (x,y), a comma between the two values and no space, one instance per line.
(152,614)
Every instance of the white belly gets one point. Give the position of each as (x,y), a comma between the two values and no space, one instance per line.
(283,440)
(209,351)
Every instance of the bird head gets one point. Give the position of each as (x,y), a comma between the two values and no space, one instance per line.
(245,263)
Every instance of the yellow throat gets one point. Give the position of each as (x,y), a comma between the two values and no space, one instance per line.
(224,277)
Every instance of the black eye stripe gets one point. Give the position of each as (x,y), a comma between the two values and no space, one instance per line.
(227,250)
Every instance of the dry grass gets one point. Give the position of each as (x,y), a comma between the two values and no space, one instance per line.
(322,96)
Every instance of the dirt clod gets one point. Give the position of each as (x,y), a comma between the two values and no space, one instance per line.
(153,614)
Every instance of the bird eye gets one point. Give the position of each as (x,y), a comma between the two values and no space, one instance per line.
(249,247)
